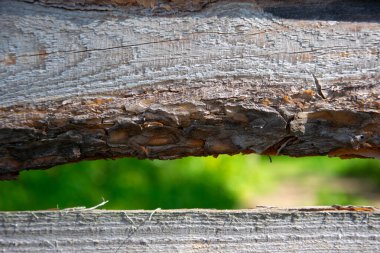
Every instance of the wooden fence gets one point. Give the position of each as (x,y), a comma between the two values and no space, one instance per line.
(322,229)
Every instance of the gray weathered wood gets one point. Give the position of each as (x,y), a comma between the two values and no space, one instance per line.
(87,81)
(257,230)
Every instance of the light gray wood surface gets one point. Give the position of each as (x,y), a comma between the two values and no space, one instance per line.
(89,81)
(257,230)
(59,53)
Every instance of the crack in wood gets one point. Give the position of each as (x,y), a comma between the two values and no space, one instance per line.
(135,229)
(318,86)
(99,49)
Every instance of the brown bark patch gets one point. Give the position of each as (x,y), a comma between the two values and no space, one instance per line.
(10,59)
(347,153)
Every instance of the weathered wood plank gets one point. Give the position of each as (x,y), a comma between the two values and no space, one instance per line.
(257,230)
(229,77)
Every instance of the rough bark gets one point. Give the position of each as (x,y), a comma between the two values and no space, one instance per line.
(330,229)
(101,79)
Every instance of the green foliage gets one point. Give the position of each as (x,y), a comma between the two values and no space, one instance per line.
(222,183)
(343,198)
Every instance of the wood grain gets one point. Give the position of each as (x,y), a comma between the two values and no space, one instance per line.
(257,230)
(92,80)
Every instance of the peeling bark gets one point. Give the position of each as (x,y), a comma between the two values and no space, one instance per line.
(226,78)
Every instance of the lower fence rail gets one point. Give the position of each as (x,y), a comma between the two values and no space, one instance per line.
(264,229)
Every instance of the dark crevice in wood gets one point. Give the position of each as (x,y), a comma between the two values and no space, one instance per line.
(318,87)
(337,10)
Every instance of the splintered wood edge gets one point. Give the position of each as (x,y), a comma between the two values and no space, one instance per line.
(258,209)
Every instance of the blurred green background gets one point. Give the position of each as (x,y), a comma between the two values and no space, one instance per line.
(222,183)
